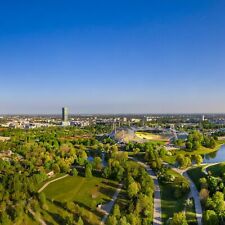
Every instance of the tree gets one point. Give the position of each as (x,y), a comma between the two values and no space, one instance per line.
(112,220)
(198,159)
(42,199)
(116,211)
(4,218)
(183,161)
(97,163)
(132,189)
(88,171)
(218,199)
(123,221)
(203,182)
(74,172)
(80,221)
(179,219)
(189,145)
(204,194)
(82,157)
(210,218)
(56,168)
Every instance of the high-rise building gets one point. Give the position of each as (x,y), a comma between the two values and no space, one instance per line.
(65,113)
(203,117)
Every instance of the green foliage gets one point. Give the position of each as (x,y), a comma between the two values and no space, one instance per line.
(196,140)
(132,189)
(97,163)
(116,211)
(88,171)
(80,221)
(210,217)
(74,172)
(183,161)
(198,159)
(179,219)
(42,199)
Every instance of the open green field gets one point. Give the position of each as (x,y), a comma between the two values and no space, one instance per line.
(169,204)
(151,137)
(86,192)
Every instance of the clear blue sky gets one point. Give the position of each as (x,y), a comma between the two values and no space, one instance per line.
(112,56)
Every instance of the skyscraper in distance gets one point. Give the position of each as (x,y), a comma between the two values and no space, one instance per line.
(65,113)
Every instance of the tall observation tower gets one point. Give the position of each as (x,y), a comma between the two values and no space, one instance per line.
(65,113)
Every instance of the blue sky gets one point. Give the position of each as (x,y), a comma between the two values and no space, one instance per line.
(153,56)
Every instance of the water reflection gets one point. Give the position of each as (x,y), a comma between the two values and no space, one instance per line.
(214,157)
(94,153)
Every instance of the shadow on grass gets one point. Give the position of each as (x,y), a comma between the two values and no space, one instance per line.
(56,217)
(108,191)
(111,184)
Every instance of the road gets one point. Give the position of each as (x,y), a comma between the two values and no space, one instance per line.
(157,211)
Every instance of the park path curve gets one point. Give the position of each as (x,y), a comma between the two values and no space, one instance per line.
(51,181)
(106,209)
(194,194)
(157,211)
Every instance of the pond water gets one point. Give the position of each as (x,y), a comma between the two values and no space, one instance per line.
(215,157)
(104,162)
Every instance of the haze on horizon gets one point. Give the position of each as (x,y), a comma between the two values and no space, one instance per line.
(152,56)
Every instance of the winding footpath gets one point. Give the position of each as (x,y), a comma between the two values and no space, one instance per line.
(51,181)
(194,194)
(157,211)
(106,209)
(206,165)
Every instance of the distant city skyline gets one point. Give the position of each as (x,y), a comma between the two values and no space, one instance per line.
(112,57)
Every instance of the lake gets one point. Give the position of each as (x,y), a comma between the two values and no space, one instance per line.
(215,157)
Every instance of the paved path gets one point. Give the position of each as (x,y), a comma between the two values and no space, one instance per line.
(51,181)
(194,194)
(157,212)
(206,166)
(106,209)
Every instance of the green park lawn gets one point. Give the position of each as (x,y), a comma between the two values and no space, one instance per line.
(86,192)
